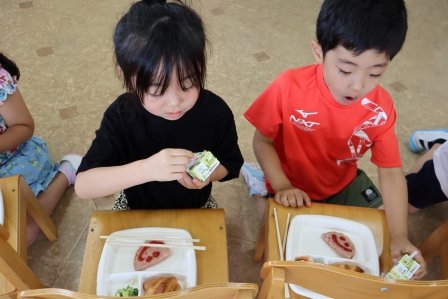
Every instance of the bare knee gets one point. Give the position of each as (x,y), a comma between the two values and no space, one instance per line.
(412,209)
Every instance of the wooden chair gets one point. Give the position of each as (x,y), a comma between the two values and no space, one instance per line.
(436,244)
(206,291)
(340,283)
(18,200)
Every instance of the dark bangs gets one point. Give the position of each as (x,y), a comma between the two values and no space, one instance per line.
(171,48)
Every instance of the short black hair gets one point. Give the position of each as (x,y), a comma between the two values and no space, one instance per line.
(360,25)
(153,39)
(9,65)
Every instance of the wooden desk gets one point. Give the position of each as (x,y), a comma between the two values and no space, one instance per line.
(375,219)
(208,225)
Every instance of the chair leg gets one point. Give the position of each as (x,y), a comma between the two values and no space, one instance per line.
(15,269)
(4,232)
(273,283)
(444,258)
(37,212)
(261,242)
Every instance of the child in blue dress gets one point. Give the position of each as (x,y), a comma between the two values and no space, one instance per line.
(23,154)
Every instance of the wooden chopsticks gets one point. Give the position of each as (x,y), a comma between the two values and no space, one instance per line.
(282,245)
(285,234)
(134,241)
(153,237)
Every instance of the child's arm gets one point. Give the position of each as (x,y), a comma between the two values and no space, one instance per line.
(285,193)
(166,165)
(19,120)
(394,193)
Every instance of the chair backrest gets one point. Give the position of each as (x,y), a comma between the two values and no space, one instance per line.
(18,200)
(436,244)
(341,283)
(206,291)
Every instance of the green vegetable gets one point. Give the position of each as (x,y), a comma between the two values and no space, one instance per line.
(127,292)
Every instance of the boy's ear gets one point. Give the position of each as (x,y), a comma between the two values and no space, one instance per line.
(317,51)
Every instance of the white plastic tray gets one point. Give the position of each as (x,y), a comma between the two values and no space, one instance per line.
(116,266)
(305,239)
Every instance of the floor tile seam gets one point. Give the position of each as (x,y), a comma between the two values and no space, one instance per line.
(67,259)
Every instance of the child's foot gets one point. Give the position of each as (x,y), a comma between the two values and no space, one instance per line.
(69,165)
(254,177)
(424,139)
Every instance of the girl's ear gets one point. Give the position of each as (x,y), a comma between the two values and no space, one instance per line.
(119,72)
(317,51)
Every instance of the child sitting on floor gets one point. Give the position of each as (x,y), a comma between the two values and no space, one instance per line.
(23,154)
(427,179)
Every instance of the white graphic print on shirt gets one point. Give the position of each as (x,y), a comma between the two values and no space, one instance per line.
(359,138)
(300,121)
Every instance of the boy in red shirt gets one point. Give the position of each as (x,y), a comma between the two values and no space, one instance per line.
(314,123)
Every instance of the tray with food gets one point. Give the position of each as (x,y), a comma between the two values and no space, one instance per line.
(132,263)
(331,240)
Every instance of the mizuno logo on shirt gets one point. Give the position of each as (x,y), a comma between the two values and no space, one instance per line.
(301,121)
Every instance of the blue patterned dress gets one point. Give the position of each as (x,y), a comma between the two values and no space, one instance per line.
(30,159)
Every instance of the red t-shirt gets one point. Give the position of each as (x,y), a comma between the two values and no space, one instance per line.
(319,140)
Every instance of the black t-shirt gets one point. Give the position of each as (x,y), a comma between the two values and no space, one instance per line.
(128,132)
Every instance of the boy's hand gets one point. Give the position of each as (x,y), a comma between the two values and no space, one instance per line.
(190,183)
(292,197)
(168,165)
(401,246)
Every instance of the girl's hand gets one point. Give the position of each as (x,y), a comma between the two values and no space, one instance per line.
(292,197)
(169,164)
(190,183)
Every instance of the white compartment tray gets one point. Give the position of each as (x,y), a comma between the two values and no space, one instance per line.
(305,239)
(116,266)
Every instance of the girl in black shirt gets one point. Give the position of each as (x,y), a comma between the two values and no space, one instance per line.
(149,134)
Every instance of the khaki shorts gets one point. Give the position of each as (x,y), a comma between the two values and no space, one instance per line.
(361,192)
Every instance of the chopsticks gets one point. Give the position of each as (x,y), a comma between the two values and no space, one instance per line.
(158,245)
(285,234)
(277,230)
(133,241)
(153,237)
(282,245)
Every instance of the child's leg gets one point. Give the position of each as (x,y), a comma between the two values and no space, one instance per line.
(361,192)
(422,159)
(254,177)
(424,186)
(261,204)
(416,168)
(50,197)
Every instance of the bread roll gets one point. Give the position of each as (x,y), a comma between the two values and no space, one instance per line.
(351,267)
(159,285)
